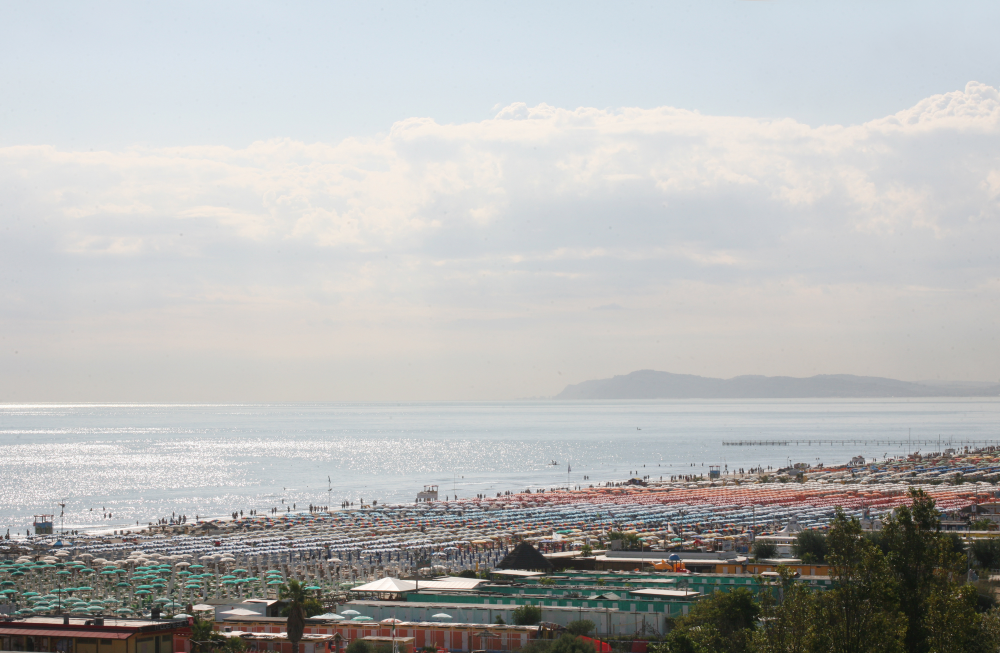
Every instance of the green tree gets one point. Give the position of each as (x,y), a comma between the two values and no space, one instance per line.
(571,644)
(586,550)
(580,627)
(201,635)
(205,639)
(722,622)
(527,615)
(359,646)
(467,573)
(787,617)
(295,594)
(764,549)
(810,547)
(630,541)
(986,553)
(860,612)
(923,561)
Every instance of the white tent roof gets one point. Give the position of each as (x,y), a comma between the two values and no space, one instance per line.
(241,612)
(394,585)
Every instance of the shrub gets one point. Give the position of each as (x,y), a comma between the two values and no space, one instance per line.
(526,615)
(987,553)
(580,627)
(810,546)
(359,646)
(764,549)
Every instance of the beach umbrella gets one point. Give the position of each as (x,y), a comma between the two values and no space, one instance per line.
(349,613)
(440,616)
(361,618)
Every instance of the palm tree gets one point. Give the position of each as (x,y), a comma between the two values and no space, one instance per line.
(295,593)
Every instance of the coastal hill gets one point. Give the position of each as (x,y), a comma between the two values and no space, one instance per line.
(650,384)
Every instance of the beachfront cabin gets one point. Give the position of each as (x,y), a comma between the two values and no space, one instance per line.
(95,635)
(693,561)
(321,635)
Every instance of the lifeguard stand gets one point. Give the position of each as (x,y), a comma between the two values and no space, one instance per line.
(430,493)
(713,472)
(43,524)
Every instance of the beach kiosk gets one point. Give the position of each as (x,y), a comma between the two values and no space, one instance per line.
(43,524)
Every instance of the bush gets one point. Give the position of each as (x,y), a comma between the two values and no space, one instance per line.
(810,546)
(359,646)
(580,627)
(526,615)
(467,573)
(764,549)
(987,553)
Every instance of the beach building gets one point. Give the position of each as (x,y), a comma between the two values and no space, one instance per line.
(321,634)
(95,635)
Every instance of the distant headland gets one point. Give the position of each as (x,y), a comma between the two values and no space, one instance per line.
(650,384)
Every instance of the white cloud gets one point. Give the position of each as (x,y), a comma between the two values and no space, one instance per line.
(529,219)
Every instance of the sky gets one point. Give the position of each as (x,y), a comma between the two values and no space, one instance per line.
(487,201)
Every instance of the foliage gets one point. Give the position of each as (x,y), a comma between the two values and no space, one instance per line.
(572,644)
(986,553)
(201,631)
(467,573)
(860,613)
(630,541)
(546,581)
(983,524)
(310,607)
(499,621)
(205,639)
(527,615)
(586,550)
(295,594)
(787,617)
(810,547)
(764,549)
(580,627)
(601,582)
(359,646)
(723,622)
(567,643)
(923,562)
(901,590)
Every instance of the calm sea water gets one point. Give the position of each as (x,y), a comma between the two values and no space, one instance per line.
(140,462)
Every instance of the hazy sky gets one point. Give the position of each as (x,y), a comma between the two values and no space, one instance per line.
(267,201)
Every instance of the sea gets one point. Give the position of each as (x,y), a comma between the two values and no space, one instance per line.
(109,466)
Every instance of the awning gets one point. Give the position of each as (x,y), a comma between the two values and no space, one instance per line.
(665,593)
(57,632)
